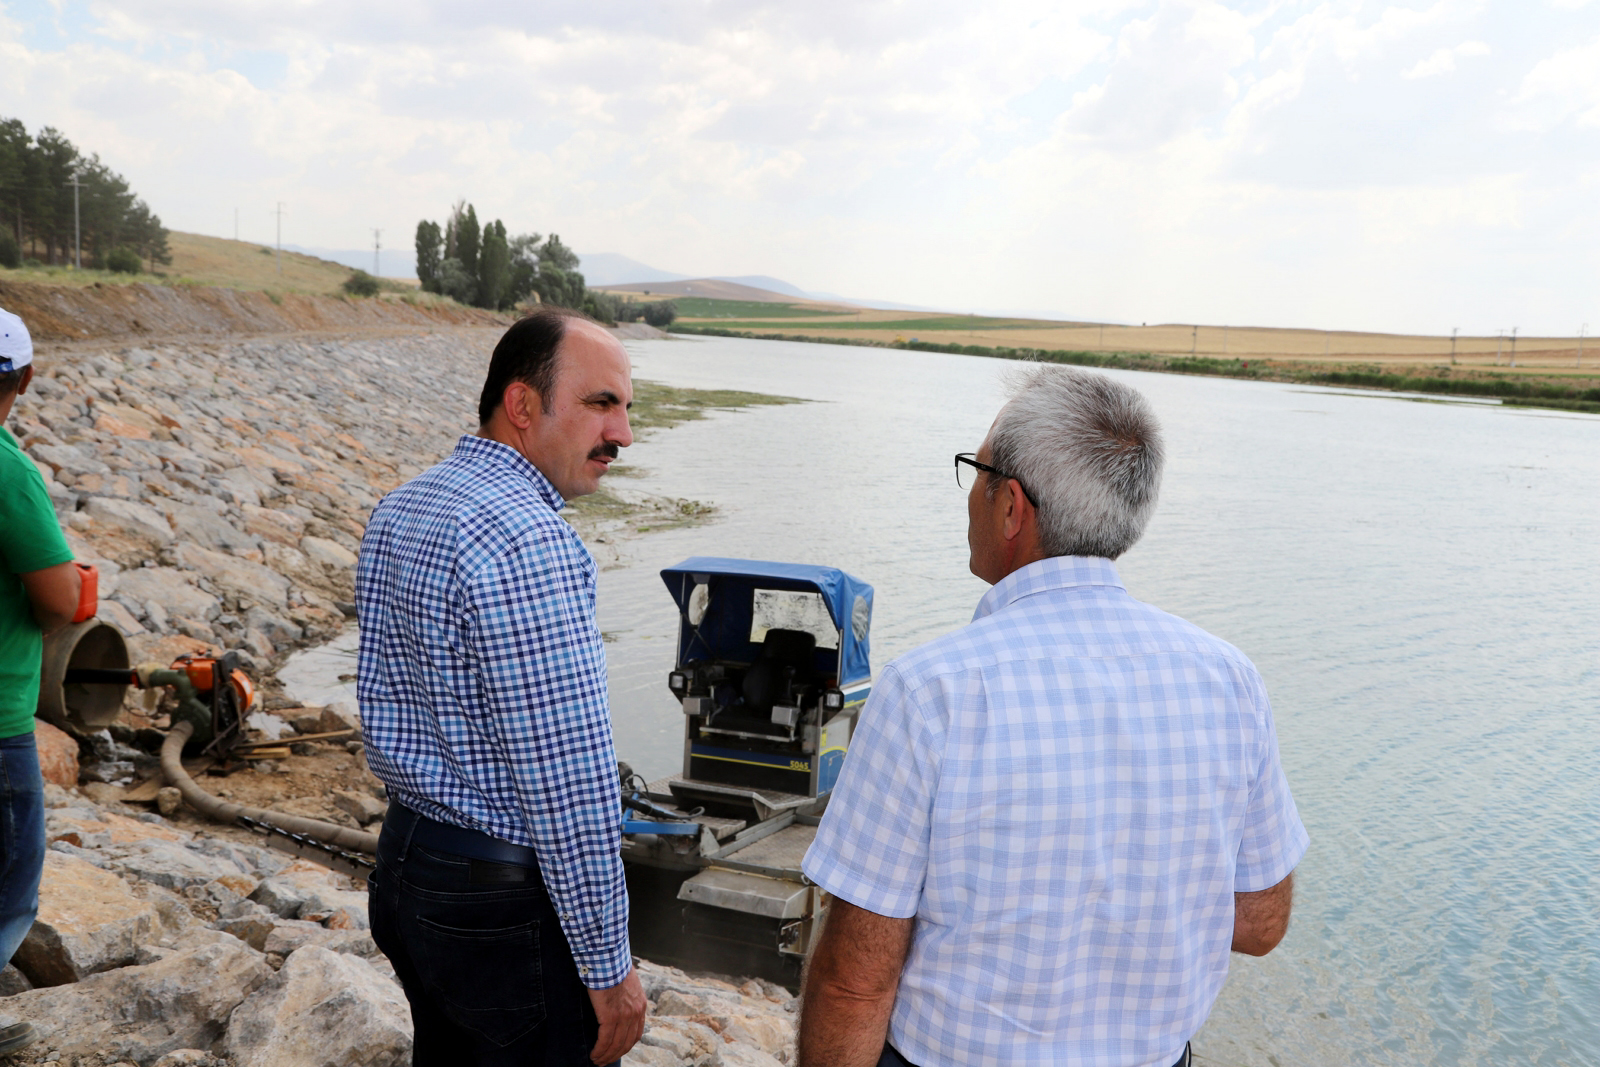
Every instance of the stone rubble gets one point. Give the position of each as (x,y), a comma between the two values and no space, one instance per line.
(159,946)
(220,488)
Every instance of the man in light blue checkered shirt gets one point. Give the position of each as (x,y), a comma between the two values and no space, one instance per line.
(1055,822)
(499,894)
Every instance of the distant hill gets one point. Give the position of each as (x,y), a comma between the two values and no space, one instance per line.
(710,288)
(602,269)
(398,262)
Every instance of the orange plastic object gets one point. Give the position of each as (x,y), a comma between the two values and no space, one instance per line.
(202,675)
(89,597)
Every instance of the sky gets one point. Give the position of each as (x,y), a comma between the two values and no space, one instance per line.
(1342,164)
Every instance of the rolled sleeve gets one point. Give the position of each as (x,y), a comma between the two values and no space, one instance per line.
(541,664)
(872,846)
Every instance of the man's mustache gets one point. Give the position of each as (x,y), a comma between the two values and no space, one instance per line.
(608,450)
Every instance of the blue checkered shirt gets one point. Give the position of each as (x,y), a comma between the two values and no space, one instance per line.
(482,680)
(1066,794)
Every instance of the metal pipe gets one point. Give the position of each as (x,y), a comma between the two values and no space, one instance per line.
(226,812)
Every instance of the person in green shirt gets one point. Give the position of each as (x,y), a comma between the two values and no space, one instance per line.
(39,592)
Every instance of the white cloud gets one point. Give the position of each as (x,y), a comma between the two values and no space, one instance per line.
(1444,60)
(1564,86)
(1239,160)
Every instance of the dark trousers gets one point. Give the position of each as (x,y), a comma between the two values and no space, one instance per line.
(21,840)
(481,955)
(891,1057)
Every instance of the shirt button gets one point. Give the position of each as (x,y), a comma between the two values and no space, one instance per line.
(566,915)
(583,970)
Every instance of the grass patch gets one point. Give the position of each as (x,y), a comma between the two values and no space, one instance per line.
(659,407)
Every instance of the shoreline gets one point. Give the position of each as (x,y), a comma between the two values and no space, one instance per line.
(1445,383)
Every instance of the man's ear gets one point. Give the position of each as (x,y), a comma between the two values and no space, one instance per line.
(518,401)
(25,380)
(1017,508)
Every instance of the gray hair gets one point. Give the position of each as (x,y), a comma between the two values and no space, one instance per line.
(1088,449)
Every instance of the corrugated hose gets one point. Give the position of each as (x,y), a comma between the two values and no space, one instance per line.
(227,812)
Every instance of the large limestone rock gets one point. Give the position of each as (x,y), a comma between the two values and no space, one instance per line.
(305,890)
(322,1009)
(169,588)
(208,529)
(58,754)
(168,864)
(89,921)
(136,526)
(250,583)
(141,1013)
(330,554)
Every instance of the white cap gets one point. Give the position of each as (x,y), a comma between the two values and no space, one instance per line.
(16,347)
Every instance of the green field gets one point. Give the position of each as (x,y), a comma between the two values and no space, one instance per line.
(701,307)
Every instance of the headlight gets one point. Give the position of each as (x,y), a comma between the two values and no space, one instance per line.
(833,700)
(678,682)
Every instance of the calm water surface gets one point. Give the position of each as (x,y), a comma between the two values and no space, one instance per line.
(1418,583)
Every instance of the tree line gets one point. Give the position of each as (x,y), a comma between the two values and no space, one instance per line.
(483,266)
(118,230)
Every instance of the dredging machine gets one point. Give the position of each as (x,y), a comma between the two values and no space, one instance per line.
(773,664)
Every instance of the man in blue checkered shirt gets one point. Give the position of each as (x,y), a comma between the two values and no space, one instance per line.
(1055,822)
(499,893)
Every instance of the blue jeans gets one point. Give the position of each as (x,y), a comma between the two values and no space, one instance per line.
(481,956)
(21,840)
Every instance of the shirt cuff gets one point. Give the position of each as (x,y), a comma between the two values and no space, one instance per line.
(604,967)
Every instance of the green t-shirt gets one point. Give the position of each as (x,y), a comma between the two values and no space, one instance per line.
(30,540)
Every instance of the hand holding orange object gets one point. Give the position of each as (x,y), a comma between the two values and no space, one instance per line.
(89,593)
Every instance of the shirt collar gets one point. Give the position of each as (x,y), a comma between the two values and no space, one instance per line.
(1040,576)
(481,449)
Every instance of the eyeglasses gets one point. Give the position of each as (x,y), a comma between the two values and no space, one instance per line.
(971,460)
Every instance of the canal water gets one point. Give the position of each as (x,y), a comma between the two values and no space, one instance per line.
(1417,581)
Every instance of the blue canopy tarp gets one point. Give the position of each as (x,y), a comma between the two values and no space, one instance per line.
(731,584)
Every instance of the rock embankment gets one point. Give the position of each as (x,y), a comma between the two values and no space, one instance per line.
(221,488)
(159,945)
(67,313)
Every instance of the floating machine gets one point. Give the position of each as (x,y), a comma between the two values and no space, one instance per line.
(772,666)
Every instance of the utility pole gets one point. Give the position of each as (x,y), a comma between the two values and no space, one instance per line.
(1453,331)
(1499,345)
(1224,340)
(1102,337)
(1194,341)
(77,230)
(1327,342)
(280,238)
(377,247)
(1514,330)
(1581,331)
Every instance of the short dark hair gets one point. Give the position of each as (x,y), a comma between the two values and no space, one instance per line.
(527,354)
(10,380)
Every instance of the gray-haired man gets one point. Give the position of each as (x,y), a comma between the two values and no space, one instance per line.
(1056,821)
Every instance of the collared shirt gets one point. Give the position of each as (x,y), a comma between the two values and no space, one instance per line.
(482,680)
(1066,794)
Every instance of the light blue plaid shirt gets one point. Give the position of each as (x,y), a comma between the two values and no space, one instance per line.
(1066,794)
(482,680)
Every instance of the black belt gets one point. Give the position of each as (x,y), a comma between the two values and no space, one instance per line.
(457,840)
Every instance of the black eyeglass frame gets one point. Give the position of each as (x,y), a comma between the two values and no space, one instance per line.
(971,460)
